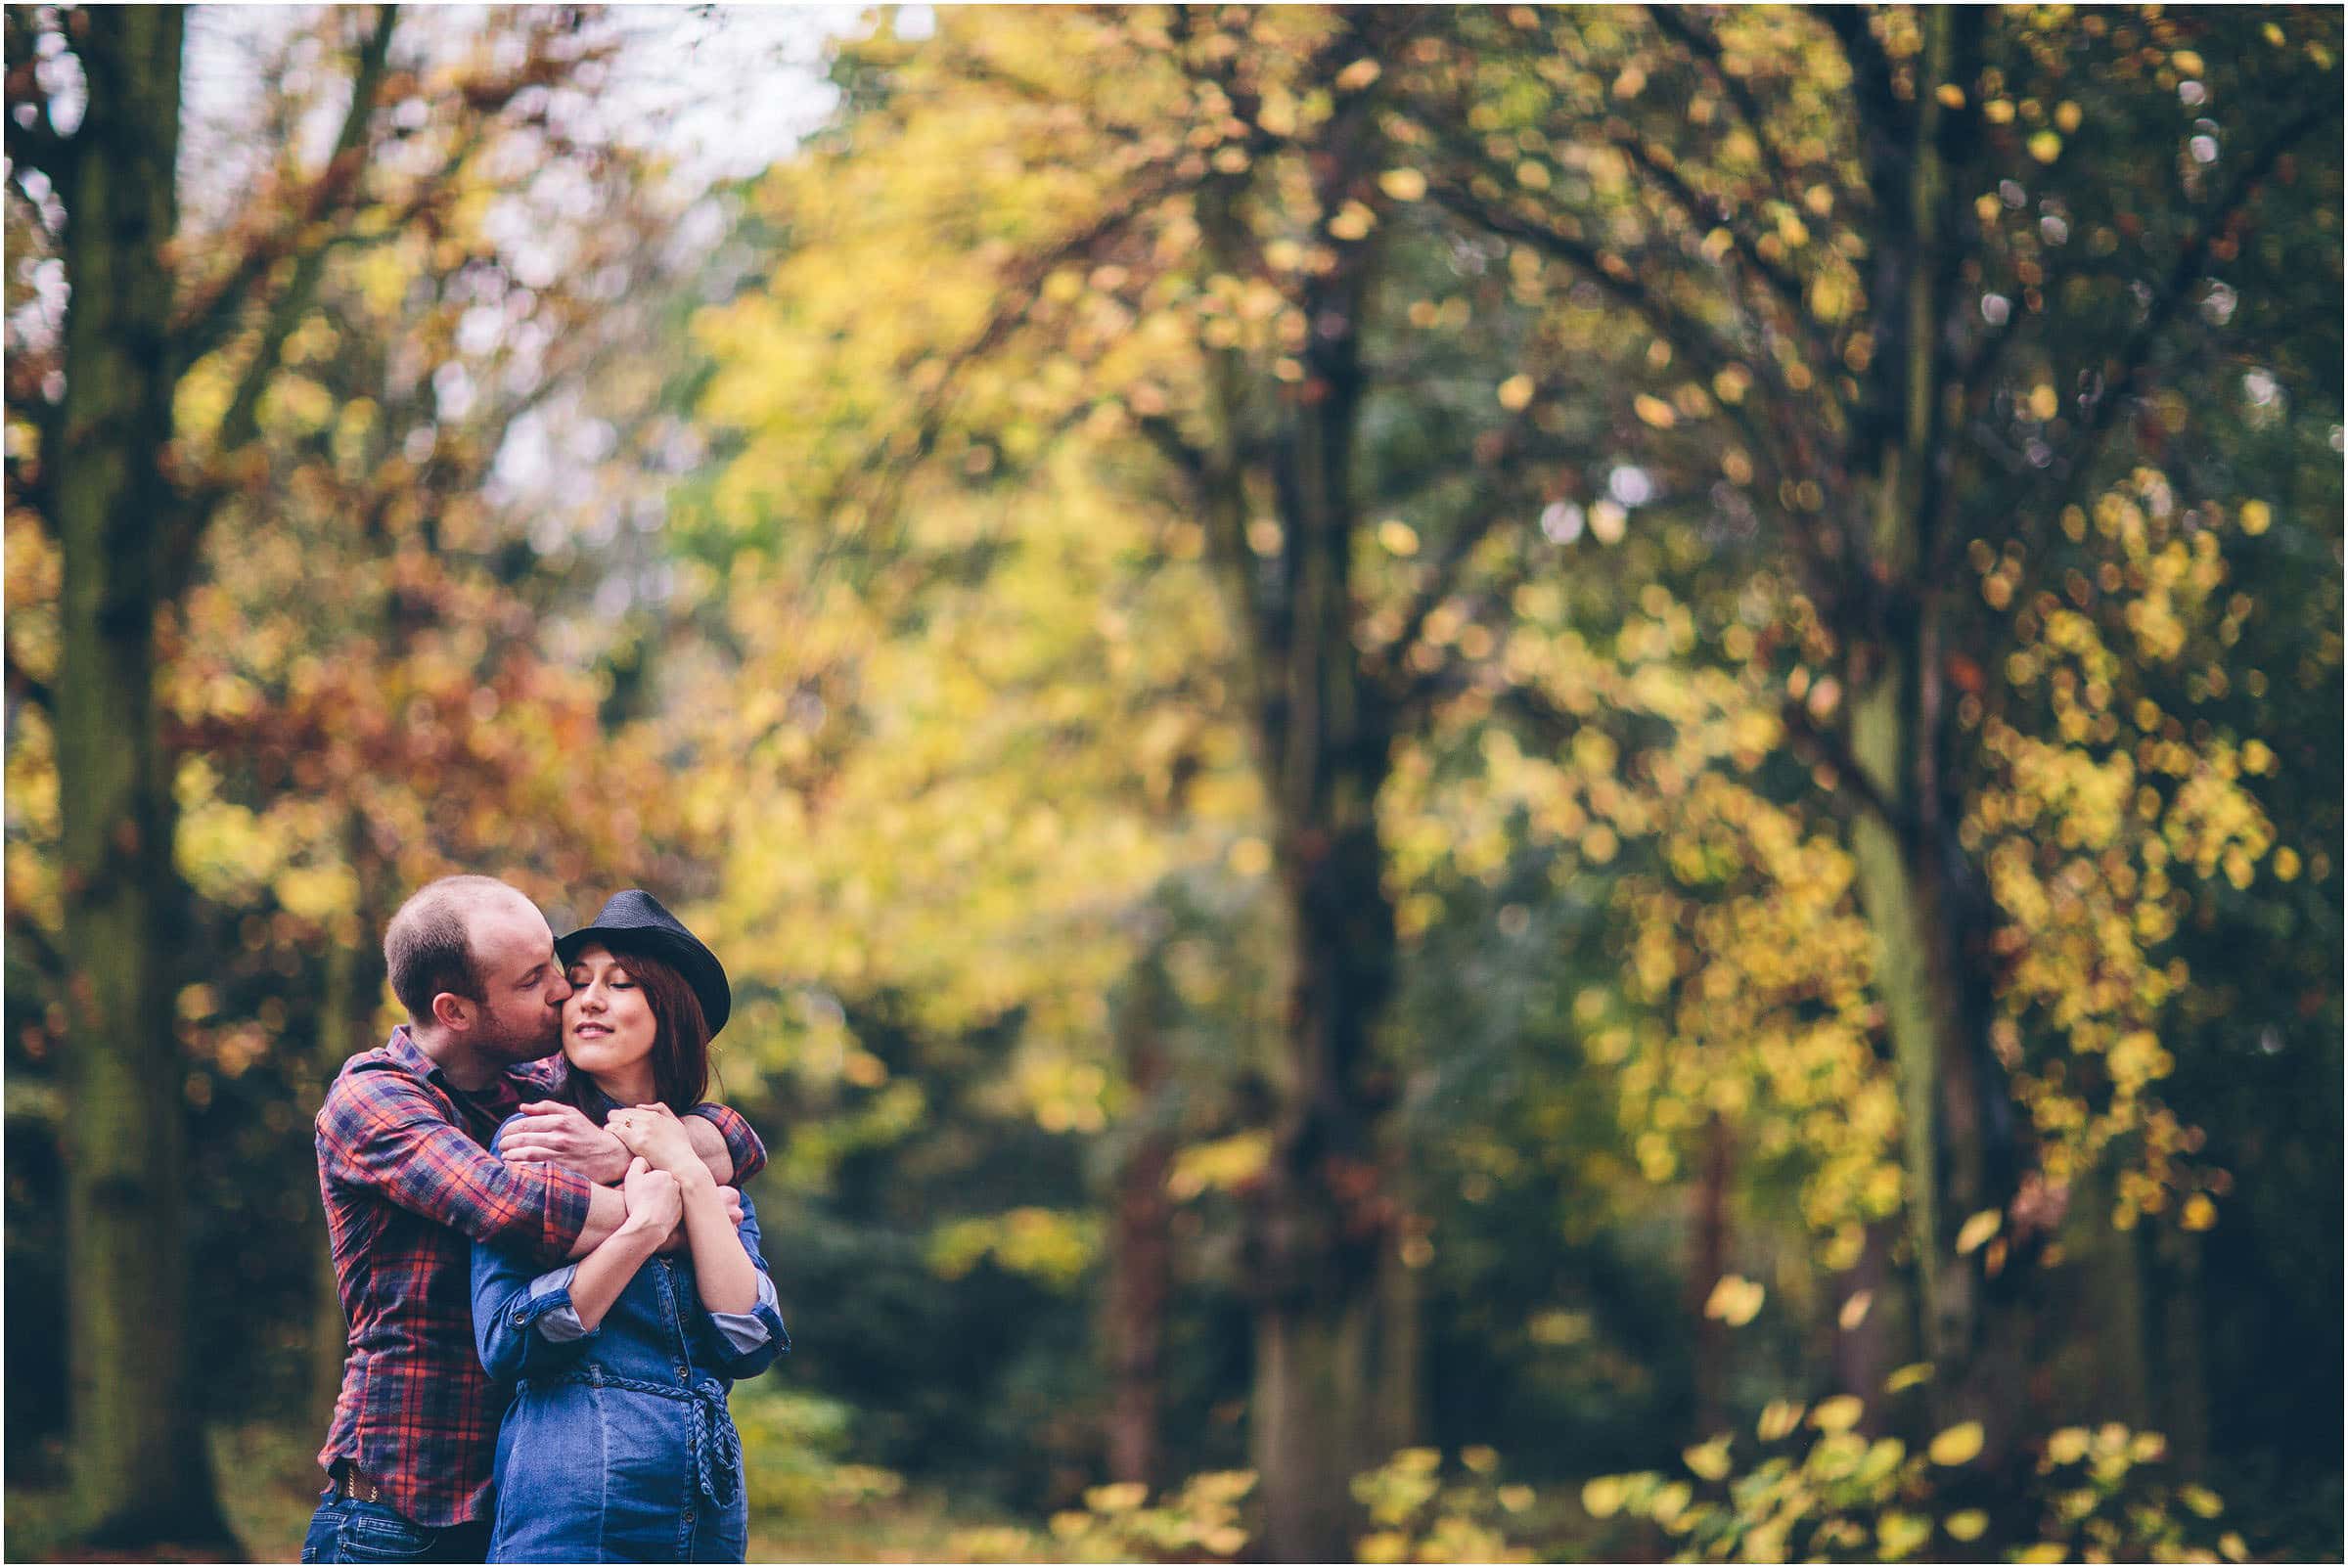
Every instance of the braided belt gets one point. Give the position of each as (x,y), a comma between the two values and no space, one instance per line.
(716,1446)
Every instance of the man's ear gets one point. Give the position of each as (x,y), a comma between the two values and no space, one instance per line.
(452,1011)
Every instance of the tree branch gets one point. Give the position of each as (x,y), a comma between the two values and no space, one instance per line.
(206,319)
(2134,355)
(1679,24)
(1829,749)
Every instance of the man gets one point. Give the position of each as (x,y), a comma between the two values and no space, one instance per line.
(409,1185)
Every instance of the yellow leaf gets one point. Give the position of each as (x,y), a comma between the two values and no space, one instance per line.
(2203,1502)
(1854,1310)
(2067,115)
(2257,517)
(1386,1546)
(1122,1497)
(1398,537)
(1515,393)
(1779,1418)
(2200,1212)
(2044,403)
(1735,1300)
(1225,1541)
(1479,1457)
(1514,1498)
(1959,1445)
(2046,146)
(1654,411)
(1951,95)
(1977,1230)
(2068,1445)
(1966,1526)
(1899,1533)
(1403,185)
(1708,1460)
(1838,1415)
(1601,1497)
(2188,63)
(1908,1376)
(1358,75)
(1353,221)
(2236,1549)
(2044,1551)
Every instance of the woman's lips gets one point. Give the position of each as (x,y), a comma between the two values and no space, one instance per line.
(585,1030)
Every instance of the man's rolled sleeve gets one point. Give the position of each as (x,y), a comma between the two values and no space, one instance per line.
(380,1131)
(749,1155)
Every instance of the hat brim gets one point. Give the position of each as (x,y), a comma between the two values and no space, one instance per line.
(689,957)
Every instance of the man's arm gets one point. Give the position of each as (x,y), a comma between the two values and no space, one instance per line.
(381,1132)
(744,1155)
(551,1132)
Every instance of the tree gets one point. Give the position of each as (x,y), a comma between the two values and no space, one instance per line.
(140,1471)
(1840,312)
(189,357)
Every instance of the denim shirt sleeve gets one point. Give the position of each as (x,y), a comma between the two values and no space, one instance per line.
(520,1314)
(757,1336)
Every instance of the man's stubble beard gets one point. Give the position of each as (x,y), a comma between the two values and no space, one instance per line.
(517,1046)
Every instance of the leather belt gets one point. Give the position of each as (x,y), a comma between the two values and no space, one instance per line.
(357,1484)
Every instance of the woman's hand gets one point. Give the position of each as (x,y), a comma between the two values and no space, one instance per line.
(656,1203)
(654,1135)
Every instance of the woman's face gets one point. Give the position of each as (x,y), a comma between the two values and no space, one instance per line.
(608,1024)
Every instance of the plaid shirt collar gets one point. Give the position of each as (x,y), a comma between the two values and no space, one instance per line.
(499,1094)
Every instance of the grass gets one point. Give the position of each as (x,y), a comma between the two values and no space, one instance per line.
(268,1480)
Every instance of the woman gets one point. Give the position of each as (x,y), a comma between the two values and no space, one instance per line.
(618,1446)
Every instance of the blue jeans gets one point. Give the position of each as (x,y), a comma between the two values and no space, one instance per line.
(347,1530)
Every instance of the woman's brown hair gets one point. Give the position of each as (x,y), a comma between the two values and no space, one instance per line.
(680,1036)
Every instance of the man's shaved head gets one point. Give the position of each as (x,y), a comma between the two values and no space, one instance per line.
(428,945)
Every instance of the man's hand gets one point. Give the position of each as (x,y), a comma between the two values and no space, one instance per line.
(551,1133)
(675,1241)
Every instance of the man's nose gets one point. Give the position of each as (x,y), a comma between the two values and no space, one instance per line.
(558,992)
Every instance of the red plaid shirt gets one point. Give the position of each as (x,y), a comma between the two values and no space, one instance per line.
(410,1185)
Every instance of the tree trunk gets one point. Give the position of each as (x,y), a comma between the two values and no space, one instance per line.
(1863,1352)
(1317,1220)
(1141,1261)
(1908,867)
(1707,1263)
(2180,1345)
(346,1017)
(1400,1401)
(141,1478)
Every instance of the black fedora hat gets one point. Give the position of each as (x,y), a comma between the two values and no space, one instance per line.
(633,922)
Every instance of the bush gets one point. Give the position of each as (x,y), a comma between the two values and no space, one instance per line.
(2097,1498)
(790,1447)
(1419,1517)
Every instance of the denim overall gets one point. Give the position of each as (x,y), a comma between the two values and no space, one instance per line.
(617,1447)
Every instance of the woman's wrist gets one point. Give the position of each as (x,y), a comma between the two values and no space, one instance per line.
(640,1233)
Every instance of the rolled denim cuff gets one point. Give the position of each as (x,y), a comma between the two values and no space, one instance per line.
(547,1305)
(745,1331)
